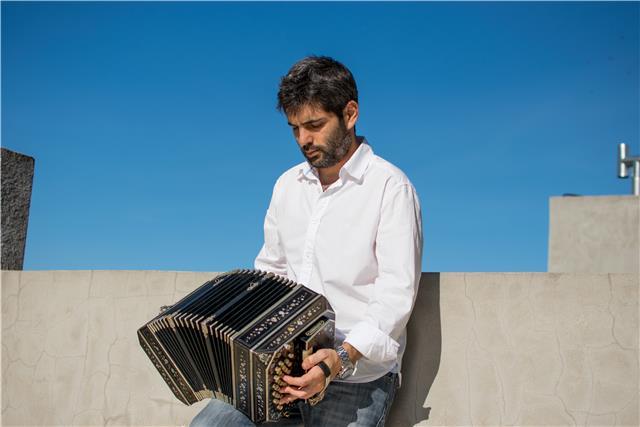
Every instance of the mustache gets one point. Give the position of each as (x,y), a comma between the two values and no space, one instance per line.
(310,147)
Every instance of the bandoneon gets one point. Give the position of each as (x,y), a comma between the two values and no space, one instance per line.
(234,337)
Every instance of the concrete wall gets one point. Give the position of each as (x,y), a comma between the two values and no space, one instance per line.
(594,234)
(524,349)
(484,349)
(17,180)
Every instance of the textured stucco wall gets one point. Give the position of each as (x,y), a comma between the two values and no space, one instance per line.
(484,349)
(17,179)
(594,234)
(535,349)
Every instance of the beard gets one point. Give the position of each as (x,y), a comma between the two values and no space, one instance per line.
(338,143)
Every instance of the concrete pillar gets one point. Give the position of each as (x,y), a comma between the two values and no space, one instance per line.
(594,234)
(17,178)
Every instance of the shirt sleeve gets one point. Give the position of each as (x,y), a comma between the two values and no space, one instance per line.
(398,249)
(271,257)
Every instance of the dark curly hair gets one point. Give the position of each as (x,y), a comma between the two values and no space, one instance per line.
(319,81)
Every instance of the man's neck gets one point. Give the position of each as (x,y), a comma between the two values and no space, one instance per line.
(330,175)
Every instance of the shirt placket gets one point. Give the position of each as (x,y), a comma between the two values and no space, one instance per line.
(308,251)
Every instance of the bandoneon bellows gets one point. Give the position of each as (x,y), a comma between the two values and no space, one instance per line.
(234,337)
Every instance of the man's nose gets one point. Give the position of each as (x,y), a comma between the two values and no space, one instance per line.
(304,137)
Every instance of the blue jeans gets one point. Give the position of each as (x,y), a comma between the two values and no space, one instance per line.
(344,404)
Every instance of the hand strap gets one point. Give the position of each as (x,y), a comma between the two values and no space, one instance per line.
(325,368)
(313,401)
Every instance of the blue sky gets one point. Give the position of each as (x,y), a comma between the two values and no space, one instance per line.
(157,142)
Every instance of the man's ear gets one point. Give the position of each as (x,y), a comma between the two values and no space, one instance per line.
(350,114)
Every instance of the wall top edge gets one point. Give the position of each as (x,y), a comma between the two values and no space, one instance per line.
(629,197)
(428,273)
(11,153)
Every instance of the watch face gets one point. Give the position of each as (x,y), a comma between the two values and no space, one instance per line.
(345,372)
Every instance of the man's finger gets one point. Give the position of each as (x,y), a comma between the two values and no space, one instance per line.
(293,393)
(302,381)
(315,358)
(287,398)
(297,393)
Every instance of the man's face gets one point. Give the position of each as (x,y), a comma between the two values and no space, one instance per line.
(322,137)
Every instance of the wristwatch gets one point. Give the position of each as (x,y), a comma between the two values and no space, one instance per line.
(347,368)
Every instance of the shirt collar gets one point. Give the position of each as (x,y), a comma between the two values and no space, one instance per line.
(354,168)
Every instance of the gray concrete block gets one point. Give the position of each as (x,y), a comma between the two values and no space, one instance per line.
(594,234)
(17,180)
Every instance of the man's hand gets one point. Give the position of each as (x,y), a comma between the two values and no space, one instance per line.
(313,382)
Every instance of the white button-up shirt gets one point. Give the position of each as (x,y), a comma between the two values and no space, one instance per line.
(359,243)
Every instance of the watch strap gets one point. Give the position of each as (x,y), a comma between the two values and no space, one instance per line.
(347,365)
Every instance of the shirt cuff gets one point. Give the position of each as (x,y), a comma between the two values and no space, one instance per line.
(372,343)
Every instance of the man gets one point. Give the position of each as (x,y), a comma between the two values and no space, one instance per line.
(346,224)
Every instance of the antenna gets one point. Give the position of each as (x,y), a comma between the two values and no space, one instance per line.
(625,161)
